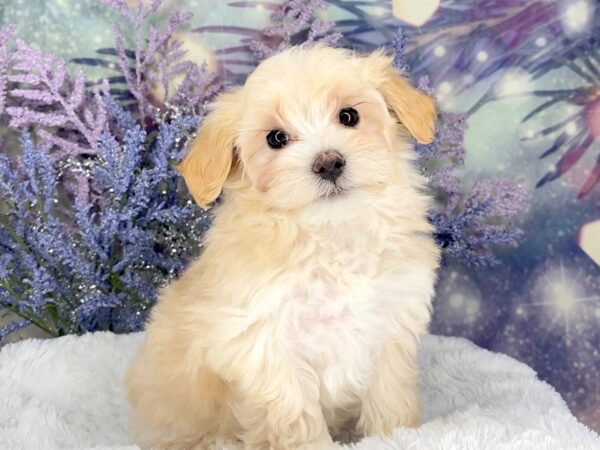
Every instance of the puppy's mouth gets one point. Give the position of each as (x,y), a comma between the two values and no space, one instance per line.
(334,191)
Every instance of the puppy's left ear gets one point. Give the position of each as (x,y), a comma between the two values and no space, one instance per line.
(414,109)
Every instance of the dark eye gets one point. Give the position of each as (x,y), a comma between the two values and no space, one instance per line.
(349,117)
(277,139)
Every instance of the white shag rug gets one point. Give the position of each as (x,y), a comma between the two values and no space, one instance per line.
(66,393)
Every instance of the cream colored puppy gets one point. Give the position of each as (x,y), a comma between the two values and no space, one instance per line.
(301,319)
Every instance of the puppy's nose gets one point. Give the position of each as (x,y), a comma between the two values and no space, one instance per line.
(329,165)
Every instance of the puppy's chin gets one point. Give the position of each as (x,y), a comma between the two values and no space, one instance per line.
(335,208)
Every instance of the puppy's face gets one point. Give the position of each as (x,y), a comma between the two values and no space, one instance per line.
(310,127)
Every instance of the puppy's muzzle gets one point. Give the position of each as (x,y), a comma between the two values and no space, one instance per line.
(329,165)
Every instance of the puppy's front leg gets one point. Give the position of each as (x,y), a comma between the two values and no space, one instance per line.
(392,399)
(274,397)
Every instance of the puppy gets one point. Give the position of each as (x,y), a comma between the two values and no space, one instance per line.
(301,319)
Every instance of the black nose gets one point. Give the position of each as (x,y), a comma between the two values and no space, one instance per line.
(329,165)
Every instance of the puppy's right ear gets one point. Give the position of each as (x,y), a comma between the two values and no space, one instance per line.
(414,110)
(208,163)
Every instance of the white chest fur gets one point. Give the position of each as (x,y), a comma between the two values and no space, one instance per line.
(337,310)
(323,297)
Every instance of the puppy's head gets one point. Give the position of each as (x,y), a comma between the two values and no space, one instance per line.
(310,126)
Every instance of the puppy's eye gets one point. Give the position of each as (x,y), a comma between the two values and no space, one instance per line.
(277,139)
(349,117)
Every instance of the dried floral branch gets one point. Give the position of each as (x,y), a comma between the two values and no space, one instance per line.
(296,23)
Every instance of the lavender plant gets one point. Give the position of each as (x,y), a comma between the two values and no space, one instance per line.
(96,265)
(156,59)
(295,22)
(36,90)
(470,223)
(72,263)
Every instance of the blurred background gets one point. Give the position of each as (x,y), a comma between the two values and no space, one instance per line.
(526,75)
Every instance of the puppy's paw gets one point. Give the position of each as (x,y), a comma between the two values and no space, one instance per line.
(347,435)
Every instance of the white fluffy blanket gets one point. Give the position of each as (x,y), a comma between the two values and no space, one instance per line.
(66,393)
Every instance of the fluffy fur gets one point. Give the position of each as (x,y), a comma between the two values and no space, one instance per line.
(300,321)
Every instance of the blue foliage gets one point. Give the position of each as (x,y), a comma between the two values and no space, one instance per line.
(11,327)
(399,44)
(71,266)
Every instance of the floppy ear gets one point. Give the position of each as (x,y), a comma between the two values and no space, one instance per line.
(209,161)
(414,109)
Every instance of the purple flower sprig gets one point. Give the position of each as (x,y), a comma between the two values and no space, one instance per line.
(470,223)
(30,237)
(482,223)
(157,57)
(399,44)
(35,90)
(295,23)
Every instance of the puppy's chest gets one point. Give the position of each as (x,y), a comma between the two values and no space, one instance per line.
(336,313)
